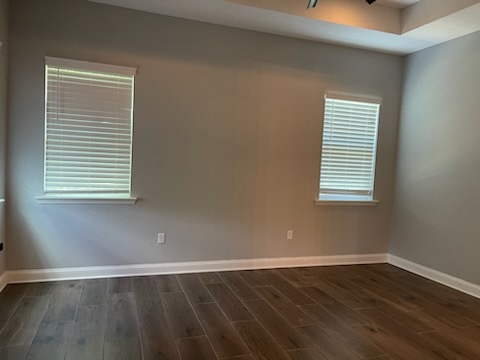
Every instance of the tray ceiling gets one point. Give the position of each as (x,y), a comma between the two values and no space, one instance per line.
(391,26)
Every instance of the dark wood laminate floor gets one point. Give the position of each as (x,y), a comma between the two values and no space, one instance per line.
(376,312)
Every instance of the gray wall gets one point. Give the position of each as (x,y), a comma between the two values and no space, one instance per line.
(226,141)
(436,217)
(4,38)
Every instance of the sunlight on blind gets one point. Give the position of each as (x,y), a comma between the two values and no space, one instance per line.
(88,131)
(349,147)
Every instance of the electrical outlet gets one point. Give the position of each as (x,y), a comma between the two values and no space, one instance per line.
(290,235)
(161,238)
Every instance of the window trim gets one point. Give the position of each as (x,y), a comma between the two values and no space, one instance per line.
(90,66)
(345,199)
(76,200)
(350,202)
(88,198)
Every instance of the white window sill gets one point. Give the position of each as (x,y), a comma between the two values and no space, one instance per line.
(62,200)
(345,200)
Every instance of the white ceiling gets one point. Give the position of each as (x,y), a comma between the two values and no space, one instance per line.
(392,26)
(400,4)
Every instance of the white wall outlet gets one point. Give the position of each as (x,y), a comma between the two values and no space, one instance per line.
(161,238)
(290,235)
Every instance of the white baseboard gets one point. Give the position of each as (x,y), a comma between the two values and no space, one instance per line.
(3,281)
(442,278)
(91,272)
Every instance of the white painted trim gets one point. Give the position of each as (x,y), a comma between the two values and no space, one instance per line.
(64,200)
(89,66)
(3,281)
(353,97)
(72,273)
(435,275)
(23,276)
(345,202)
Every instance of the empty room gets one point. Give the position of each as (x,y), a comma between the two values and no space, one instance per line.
(239,179)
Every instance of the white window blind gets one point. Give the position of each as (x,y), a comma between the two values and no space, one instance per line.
(349,148)
(88,128)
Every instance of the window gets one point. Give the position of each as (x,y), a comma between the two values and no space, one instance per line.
(349,147)
(88,129)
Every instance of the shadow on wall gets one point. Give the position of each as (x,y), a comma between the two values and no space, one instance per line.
(164,39)
(99,235)
(438,246)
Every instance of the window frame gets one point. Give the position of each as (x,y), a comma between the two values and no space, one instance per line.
(73,197)
(347,198)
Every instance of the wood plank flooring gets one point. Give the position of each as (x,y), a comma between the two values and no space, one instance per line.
(375,312)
